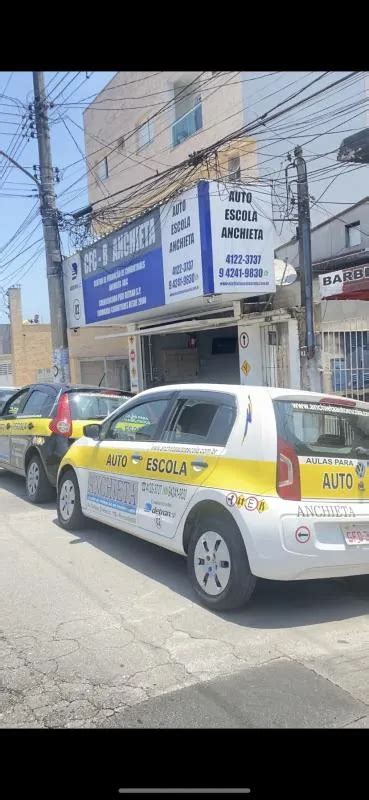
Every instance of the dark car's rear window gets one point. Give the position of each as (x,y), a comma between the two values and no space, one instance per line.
(90,405)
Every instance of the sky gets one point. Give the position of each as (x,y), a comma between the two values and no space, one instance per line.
(14,209)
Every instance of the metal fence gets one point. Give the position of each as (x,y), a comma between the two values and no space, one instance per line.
(345,359)
(274,351)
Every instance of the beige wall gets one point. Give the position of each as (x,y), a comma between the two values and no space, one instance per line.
(222,112)
(32,350)
(31,343)
(84,345)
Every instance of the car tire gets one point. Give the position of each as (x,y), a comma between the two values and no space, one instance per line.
(38,487)
(69,509)
(216,550)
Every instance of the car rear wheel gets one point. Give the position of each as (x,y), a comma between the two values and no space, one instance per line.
(218,566)
(69,509)
(38,487)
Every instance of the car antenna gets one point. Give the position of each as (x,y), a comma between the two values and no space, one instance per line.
(102,378)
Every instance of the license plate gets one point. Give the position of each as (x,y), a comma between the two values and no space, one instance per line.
(356,535)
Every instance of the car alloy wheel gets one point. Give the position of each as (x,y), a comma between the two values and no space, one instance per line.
(67,500)
(212,563)
(33,478)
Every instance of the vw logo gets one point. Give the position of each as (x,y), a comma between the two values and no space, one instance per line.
(360,469)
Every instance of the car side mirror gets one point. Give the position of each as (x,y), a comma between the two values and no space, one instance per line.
(92,431)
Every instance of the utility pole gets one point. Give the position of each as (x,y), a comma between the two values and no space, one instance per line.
(305,264)
(51,236)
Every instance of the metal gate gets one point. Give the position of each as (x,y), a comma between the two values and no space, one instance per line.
(345,358)
(274,354)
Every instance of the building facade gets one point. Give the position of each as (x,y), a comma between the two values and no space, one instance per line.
(98,361)
(192,339)
(25,346)
(127,140)
(5,356)
(339,244)
(26,352)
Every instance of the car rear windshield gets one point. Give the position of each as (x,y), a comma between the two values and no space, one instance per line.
(320,429)
(90,405)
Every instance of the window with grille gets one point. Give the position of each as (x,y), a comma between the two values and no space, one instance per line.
(5,369)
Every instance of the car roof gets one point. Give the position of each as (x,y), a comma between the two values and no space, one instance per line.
(242,392)
(79,387)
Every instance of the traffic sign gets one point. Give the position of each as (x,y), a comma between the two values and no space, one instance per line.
(244,339)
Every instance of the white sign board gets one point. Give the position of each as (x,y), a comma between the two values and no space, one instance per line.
(242,239)
(73,291)
(347,283)
(181,247)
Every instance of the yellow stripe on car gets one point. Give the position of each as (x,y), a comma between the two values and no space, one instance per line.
(26,426)
(229,474)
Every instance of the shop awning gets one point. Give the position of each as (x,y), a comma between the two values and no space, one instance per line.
(345,284)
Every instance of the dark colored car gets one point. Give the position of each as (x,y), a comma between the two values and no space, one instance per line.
(38,424)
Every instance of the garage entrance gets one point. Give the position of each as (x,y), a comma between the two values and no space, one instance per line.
(110,372)
(208,356)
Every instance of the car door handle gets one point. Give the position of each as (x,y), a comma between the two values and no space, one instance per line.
(8,426)
(136,458)
(30,425)
(199,465)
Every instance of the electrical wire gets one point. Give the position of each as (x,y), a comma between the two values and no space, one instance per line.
(248,128)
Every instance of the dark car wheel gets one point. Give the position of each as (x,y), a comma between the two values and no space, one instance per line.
(38,487)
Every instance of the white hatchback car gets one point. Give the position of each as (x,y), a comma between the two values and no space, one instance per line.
(246,481)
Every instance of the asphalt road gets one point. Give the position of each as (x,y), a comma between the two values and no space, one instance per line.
(99,629)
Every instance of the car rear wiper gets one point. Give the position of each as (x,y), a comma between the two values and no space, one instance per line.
(362,451)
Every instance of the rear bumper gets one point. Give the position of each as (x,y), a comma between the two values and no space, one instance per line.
(296,541)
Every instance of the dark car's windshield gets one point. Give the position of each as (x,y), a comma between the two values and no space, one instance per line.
(90,405)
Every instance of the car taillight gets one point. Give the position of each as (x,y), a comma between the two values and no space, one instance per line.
(288,472)
(62,422)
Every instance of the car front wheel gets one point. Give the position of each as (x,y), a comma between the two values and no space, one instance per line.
(69,509)
(217,562)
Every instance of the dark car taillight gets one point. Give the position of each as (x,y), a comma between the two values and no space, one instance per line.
(62,422)
(288,472)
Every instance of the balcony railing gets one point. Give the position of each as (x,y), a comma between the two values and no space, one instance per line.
(187,125)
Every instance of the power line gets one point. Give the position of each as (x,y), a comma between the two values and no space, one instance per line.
(81,103)
(66,87)
(245,129)
(59,82)
(113,149)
